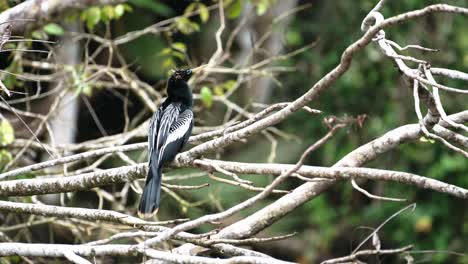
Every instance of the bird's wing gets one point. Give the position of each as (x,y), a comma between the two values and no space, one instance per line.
(181,126)
(179,133)
(153,129)
(168,117)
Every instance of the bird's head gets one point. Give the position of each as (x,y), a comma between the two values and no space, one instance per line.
(181,75)
(185,74)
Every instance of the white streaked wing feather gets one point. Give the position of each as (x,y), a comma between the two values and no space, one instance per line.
(178,129)
(169,116)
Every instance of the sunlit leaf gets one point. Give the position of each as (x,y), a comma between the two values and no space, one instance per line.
(92,16)
(165,51)
(39,34)
(186,26)
(53,29)
(87,89)
(293,37)
(262,7)
(206,96)
(7,133)
(168,64)
(108,13)
(218,90)
(423,224)
(119,10)
(190,8)
(204,12)
(179,55)
(235,9)
(179,46)
(5,158)
(428,140)
(228,85)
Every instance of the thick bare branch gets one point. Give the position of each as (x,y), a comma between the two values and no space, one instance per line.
(34,13)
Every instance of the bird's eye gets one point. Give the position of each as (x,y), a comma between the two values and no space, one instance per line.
(189,72)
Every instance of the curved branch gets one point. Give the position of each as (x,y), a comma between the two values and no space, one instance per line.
(129,173)
(60,250)
(34,13)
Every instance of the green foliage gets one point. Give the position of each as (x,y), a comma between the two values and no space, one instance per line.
(262,6)
(186,26)
(4,5)
(119,10)
(425,139)
(16,67)
(53,29)
(177,51)
(321,215)
(7,133)
(235,9)
(93,15)
(221,88)
(7,136)
(80,82)
(293,38)
(200,7)
(206,96)
(5,158)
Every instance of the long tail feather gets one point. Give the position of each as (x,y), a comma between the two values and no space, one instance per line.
(149,203)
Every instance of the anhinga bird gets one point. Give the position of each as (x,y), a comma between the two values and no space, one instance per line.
(169,130)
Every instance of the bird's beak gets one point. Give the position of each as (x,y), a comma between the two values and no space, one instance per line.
(199,68)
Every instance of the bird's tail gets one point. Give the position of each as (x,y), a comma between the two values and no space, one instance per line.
(149,203)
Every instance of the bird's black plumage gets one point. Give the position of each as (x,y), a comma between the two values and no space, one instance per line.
(170,129)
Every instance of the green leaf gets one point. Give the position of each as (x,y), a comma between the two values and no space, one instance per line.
(190,8)
(108,13)
(262,7)
(10,80)
(293,38)
(39,34)
(5,158)
(87,89)
(92,16)
(119,11)
(53,29)
(165,51)
(186,26)
(228,85)
(179,55)
(204,12)
(168,64)
(179,46)
(218,90)
(425,139)
(235,9)
(206,96)
(7,133)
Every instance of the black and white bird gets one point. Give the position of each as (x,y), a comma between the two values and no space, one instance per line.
(169,130)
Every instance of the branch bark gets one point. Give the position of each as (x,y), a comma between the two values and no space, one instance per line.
(34,13)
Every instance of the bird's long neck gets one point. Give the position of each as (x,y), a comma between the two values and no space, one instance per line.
(179,91)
